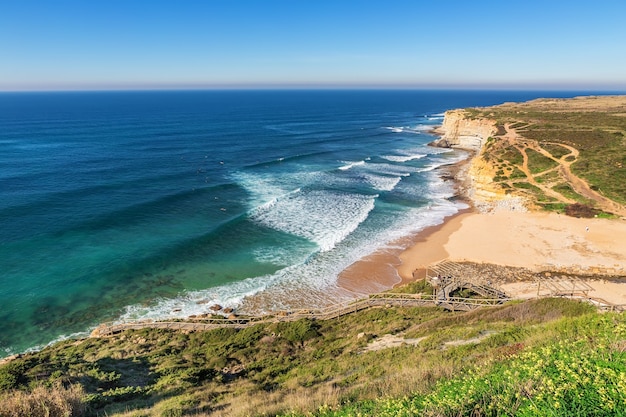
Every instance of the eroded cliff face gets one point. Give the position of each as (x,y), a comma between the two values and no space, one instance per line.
(459,131)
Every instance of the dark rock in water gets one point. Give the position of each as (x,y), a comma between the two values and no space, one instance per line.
(228,310)
(440,143)
(215,307)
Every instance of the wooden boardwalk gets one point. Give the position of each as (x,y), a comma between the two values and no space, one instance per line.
(446,278)
(377,300)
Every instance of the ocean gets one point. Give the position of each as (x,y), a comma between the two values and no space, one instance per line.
(158,204)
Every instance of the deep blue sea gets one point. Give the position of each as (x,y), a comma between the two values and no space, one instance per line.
(118,205)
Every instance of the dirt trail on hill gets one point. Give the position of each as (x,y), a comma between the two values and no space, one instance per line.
(579,185)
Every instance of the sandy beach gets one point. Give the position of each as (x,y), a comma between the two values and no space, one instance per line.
(593,249)
(533,240)
(537,241)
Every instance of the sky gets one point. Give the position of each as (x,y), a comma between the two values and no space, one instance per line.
(158,44)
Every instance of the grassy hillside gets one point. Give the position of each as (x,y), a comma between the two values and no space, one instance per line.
(561,141)
(459,362)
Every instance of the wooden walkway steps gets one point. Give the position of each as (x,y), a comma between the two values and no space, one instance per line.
(570,286)
(376,300)
(446,278)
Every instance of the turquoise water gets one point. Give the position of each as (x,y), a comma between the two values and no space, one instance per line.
(138,204)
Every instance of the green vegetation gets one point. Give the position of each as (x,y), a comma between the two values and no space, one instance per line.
(295,367)
(566,190)
(511,154)
(596,130)
(583,374)
(537,162)
(555,150)
(534,191)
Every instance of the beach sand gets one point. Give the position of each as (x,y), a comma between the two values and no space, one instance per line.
(536,241)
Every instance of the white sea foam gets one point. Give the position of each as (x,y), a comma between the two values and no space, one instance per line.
(272,255)
(78,335)
(382,183)
(323,217)
(431,167)
(403,158)
(351,165)
(419,128)
(197,302)
(392,170)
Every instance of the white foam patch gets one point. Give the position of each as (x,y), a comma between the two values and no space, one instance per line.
(382,183)
(78,335)
(273,255)
(350,165)
(197,302)
(417,129)
(403,158)
(323,217)
(431,167)
(263,189)
(392,170)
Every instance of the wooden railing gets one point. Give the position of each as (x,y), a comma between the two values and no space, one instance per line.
(377,300)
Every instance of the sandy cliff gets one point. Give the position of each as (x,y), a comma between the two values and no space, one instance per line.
(460,131)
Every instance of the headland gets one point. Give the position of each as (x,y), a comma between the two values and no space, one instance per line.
(539,200)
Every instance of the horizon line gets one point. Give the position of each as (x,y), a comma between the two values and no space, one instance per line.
(286,87)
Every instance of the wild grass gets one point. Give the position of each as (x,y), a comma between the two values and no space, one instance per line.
(55,401)
(578,367)
(537,162)
(285,367)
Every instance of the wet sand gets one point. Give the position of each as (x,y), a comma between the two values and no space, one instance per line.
(387,268)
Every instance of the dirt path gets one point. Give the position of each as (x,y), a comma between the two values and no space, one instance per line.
(579,185)
(521,144)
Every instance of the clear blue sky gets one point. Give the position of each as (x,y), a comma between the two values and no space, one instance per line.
(126,44)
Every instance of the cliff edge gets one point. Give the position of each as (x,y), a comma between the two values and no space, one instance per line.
(460,131)
(562,155)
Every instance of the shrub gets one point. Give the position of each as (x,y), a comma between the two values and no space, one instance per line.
(12,375)
(580,210)
(299,331)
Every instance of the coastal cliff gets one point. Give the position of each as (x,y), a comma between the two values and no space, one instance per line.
(538,155)
(460,131)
